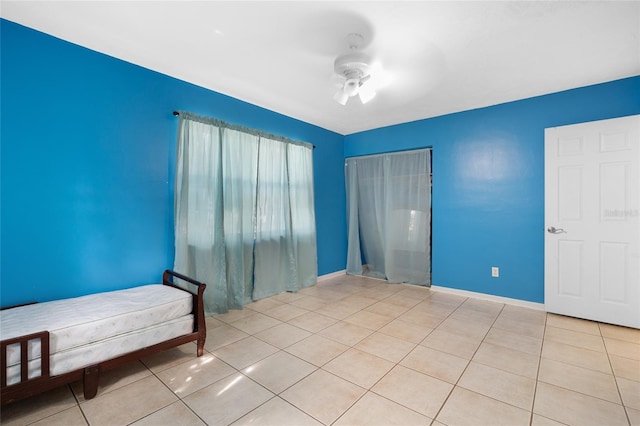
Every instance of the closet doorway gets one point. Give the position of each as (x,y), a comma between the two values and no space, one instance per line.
(389,216)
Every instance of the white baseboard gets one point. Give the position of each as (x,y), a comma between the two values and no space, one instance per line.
(457,292)
(332,275)
(490,297)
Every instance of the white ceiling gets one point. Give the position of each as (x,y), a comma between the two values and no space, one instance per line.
(443,56)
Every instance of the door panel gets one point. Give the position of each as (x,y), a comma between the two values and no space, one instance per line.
(613,265)
(592,186)
(570,268)
(614,189)
(570,193)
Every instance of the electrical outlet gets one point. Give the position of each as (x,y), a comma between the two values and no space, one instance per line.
(495,271)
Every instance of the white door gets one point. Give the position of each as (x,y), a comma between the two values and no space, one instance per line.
(592,221)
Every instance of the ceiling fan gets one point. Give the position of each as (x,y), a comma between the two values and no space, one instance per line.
(354,71)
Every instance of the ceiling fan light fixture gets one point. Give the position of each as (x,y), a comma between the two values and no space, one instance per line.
(366,93)
(341,97)
(351,87)
(352,62)
(355,69)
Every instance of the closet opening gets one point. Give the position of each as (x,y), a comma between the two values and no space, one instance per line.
(389,216)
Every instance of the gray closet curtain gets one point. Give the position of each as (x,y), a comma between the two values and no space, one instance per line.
(389,216)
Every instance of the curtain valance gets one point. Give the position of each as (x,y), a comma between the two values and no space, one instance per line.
(186,115)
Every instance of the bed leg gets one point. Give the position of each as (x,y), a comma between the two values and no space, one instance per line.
(90,381)
(200,344)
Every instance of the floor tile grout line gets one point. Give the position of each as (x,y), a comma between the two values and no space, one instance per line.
(353,347)
(75,404)
(535,389)
(381,396)
(367,390)
(582,393)
(615,378)
(275,395)
(302,359)
(455,385)
(394,318)
(415,345)
(579,392)
(329,372)
(580,366)
(152,373)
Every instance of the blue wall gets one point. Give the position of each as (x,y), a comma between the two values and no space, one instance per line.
(87,162)
(488,190)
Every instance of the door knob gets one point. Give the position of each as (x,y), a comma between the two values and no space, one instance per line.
(554,230)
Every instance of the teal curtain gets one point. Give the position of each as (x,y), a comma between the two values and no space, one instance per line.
(244,212)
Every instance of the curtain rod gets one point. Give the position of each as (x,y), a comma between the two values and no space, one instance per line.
(380,154)
(177,113)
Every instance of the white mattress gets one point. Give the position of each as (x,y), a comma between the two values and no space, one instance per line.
(83,356)
(83,320)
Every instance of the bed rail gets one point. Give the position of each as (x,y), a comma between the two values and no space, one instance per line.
(168,278)
(23,341)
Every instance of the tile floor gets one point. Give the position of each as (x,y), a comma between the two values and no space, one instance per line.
(357,351)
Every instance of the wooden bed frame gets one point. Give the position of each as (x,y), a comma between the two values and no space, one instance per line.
(90,375)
